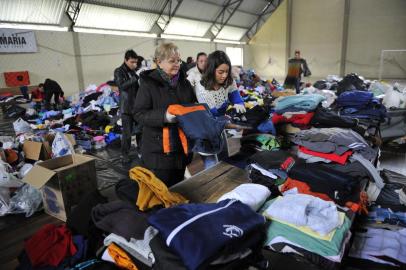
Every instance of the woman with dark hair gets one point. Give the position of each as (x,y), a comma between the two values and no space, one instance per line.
(218,89)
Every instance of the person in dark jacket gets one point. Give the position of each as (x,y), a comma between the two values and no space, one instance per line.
(159,88)
(52,88)
(296,67)
(126,79)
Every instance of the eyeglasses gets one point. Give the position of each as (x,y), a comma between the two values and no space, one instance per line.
(174,62)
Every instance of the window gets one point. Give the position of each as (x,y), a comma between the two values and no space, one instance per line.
(235,55)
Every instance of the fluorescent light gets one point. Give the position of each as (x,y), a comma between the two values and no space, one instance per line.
(185,38)
(112,32)
(229,41)
(34,27)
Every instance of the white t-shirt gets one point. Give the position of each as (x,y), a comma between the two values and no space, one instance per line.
(214,98)
(194,76)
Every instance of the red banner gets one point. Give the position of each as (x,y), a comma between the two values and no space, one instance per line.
(17,78)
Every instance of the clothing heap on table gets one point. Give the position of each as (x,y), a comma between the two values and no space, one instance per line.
(300,202)
(150,226)
(297,110)
(361,105)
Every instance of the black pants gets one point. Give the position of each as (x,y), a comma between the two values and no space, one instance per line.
(129,124)
(48,97)
(170,176)
(297,85)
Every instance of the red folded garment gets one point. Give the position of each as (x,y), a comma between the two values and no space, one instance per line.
(299,119)
(50,245)
(330,156)
(302,188)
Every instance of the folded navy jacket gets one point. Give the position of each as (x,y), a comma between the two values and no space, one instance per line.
(199,130)
(355,98)
(199,232)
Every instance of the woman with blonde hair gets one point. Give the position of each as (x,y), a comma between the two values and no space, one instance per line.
(159,88)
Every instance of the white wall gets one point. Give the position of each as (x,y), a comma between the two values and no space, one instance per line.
(317,33)
(101,54)
(266,52)
(54,59)
(317,30)
(98,56)
(375,25)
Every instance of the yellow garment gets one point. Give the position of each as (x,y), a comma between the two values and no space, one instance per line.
(153,191)
(121,258)
(107,129)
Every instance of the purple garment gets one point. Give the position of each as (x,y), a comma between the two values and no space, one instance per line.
(174,80)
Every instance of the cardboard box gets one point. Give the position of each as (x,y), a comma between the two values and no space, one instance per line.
(43,151)
(37,150)
(63,182)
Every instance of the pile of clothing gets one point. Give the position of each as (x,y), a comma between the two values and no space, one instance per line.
(308,226)
(152,227)
(330,96)
(361,105)
(351,82)
(90,116)
(311,204)
(381,235)
(297,111)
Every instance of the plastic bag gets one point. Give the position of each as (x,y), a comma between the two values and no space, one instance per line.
(379,88)
(61,146)
(26,200)
(8,142)
(7,179)
(394,99)
(24,170)
(21,126)
(30,112)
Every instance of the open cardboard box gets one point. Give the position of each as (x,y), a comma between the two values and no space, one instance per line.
(63,181)
(37,150)
(42,150)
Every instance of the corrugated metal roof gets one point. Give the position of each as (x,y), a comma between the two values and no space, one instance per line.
(192,17)
(178,26)
(95,16)
(254,6)
(198,10)
(231,33)
(243,20)
(154,6)
(32,11)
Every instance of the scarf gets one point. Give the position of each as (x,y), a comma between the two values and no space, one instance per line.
(172,81)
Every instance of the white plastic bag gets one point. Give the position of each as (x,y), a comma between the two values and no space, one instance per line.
(7,179)
(8,142)
(24,170)
(21,126)
(26,200)
(394,99)
(61,146)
